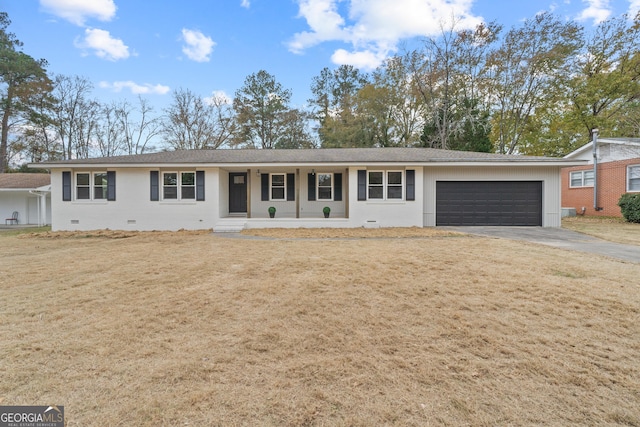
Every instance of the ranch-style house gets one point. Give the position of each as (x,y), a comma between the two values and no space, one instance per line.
(229,190)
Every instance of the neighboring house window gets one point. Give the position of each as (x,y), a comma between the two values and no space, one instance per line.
(581,178)
(85,182)
(385,185)
(278,186)
(179,185)
(633,178)
(325,186)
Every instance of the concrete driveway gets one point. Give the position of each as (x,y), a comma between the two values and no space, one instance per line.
(559,238)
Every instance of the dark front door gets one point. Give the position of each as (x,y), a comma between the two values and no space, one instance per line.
(237,192)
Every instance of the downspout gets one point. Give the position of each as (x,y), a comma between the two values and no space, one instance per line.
(595,170)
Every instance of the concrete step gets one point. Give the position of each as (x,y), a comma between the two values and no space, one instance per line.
(230,225)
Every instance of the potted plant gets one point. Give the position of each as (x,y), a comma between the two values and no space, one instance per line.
(272,211)
(326,211)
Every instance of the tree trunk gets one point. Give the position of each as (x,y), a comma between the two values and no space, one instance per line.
(4,139)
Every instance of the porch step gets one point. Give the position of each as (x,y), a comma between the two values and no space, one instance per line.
(230,225)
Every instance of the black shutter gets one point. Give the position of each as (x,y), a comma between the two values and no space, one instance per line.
(155,185)
(362,185)
(411,184)
(311,186)
(337,187)
(264,186)
(291,187)
(111,185)
(200,185)
(66,186)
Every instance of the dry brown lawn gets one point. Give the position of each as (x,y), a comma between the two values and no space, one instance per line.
(608,228)
(416,329)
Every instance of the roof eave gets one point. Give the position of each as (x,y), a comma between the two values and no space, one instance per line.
(436,162)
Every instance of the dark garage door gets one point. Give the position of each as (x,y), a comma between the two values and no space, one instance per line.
(489,203)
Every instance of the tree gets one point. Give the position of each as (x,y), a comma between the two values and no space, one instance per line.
(607,81)
(261,107)
(295,133)
(139,133)
(110,136)
(72,115)
(530,66)
(335,103)
(21,79)
(449,73)
(399,90)
(191,122)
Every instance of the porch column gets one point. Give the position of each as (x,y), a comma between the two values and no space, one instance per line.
(297,192)
(249,173)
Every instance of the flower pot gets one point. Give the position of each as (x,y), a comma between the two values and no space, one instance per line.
(326,214)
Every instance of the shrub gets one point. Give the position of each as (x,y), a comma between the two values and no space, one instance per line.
(630,207)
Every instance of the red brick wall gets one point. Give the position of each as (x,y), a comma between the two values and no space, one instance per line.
(612,183)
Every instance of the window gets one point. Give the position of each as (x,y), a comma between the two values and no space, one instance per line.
(85,182)
(100,185)
(633,178)
(170,185)
(385,185)
(278,186)
(394,185)
(188,185)
(325,186)
(581,178)
(179,185)
(83,186)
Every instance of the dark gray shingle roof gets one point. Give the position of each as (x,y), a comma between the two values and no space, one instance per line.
(305,156)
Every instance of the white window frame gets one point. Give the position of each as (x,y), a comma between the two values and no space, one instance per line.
(633,169)
(283,187)
(583,179)
(330,187)
(91,186)
(179,186)
(385,185)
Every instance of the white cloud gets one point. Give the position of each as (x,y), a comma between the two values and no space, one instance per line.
(103,44)
(78,11)
(135,88)
(245,3)
(218,97)
(375,27)
(197,46)
(634,8)
(597,10)
(365,60)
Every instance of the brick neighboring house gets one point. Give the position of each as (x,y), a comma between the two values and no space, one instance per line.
(618,172)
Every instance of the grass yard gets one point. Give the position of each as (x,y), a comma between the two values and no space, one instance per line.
(412,327)
(607,228)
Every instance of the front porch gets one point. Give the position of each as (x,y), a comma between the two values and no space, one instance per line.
(298,195)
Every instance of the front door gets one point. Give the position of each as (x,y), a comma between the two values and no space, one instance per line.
(237,192)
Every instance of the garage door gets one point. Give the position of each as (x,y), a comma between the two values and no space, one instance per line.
(489,203)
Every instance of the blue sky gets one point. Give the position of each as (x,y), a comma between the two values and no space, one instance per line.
(131,47)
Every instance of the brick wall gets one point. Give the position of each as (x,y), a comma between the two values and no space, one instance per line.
(612,183)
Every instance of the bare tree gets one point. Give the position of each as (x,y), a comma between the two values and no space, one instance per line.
(110,136)
(138,134)
(193,123)
(71,94)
